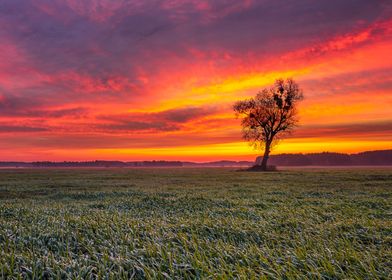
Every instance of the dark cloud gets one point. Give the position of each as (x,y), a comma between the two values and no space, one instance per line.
(105,141)
(182,115)
(358,130)
(11,106)
(140,34)
(5,128)
(371,81)
(168,120)
(138,126)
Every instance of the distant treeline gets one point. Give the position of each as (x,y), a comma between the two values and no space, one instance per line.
(96,163)
(383,157)
(316,159)
(104,163)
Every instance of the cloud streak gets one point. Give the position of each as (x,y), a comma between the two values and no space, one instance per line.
(168,120)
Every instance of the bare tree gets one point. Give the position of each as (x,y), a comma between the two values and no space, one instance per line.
(269,115)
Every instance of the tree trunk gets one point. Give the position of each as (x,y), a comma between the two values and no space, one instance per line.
(265,156)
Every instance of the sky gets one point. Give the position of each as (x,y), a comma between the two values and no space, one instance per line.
(143,80)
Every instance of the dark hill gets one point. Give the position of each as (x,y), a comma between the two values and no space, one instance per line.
(383,157)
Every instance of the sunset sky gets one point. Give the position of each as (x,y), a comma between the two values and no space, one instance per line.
(142,80)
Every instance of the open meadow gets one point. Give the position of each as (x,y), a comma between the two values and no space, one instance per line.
(195,223)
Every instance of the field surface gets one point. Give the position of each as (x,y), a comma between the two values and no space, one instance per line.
(195,223)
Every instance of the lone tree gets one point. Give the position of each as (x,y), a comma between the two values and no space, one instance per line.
(269,115)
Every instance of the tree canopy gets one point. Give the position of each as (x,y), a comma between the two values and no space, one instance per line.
(269,115)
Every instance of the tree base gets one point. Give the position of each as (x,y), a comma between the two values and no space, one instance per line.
(258,168)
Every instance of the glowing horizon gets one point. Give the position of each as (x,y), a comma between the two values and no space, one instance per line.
(143,80)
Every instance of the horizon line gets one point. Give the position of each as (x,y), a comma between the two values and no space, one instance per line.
(190,161)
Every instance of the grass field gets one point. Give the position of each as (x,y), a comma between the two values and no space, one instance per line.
(195,223)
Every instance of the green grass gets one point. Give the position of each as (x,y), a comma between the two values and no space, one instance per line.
(195,223)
